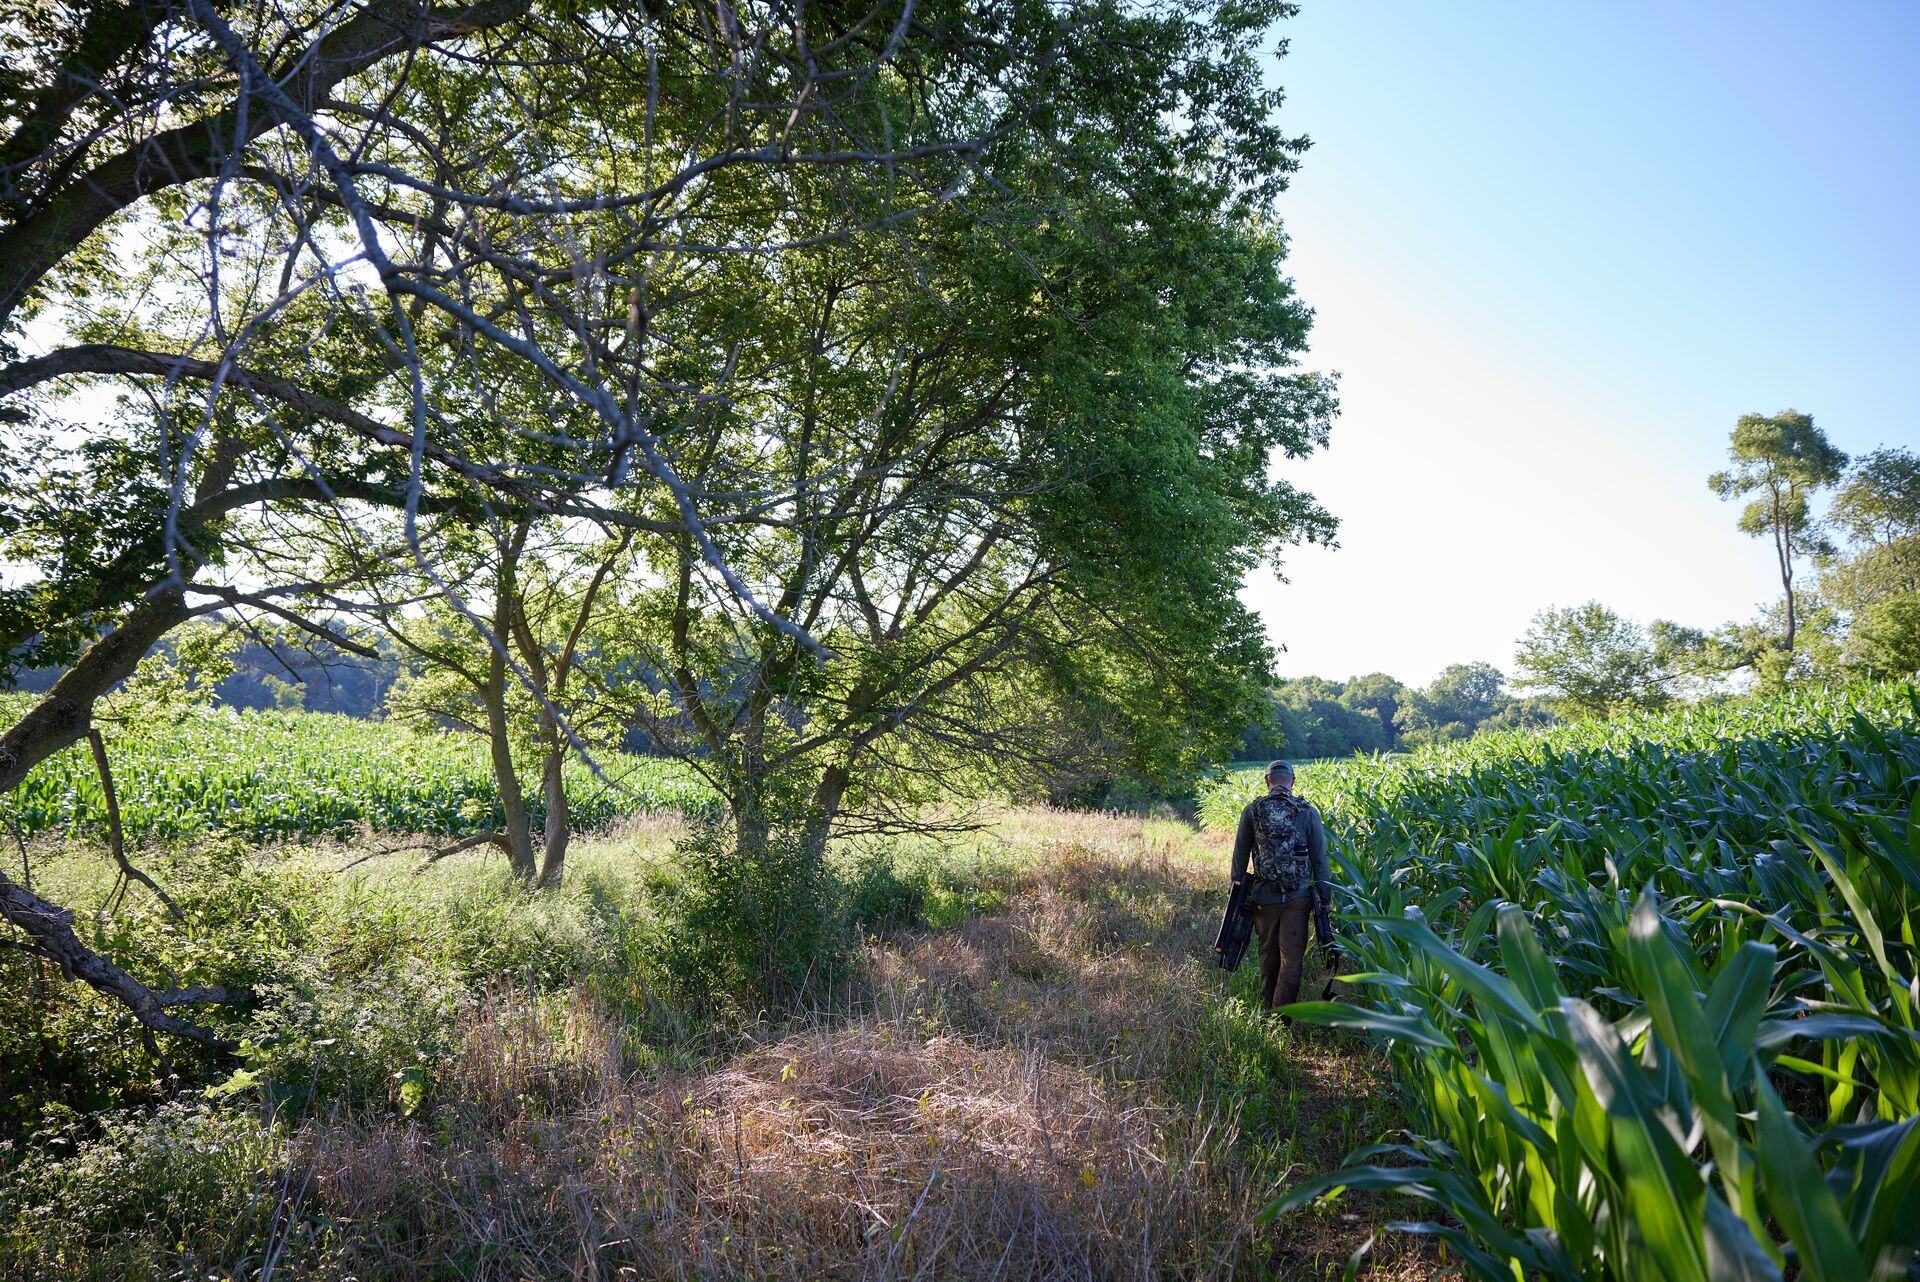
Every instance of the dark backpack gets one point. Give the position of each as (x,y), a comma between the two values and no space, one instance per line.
(1281,855)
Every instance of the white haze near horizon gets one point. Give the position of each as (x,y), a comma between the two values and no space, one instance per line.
(1554,252)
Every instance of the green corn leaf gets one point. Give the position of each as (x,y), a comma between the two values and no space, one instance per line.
(1820,1026)
(1494,991)
(1862,914)
(1733,1255)
(1526,962)
(1876,1178)
(1406,1028)
(1798,1195)
(1665,1196)
(1736,1004)
(1689,1034)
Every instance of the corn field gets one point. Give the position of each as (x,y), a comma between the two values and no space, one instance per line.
(1649,988)
(274,774)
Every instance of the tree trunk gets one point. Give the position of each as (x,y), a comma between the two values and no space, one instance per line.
(64,713)
(752,831)
(1786,578)
(1783,549)
(506,781)
(62,718)
(553,791)
(824,808)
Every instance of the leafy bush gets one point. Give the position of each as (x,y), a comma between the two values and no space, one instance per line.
(117,1196)
(743,933)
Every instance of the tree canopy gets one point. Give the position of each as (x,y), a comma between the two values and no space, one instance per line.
(1783,459)
(1589,661)
(924,362)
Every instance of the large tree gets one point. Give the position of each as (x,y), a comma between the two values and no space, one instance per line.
(1875,577)
(1456,702)
(1783,460)
(386,266)
(1589,661)
(1026,474)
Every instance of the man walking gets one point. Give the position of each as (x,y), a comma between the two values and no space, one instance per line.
(1286,842)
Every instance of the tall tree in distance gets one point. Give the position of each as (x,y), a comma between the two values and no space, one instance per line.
(1875,578)
(1783,461)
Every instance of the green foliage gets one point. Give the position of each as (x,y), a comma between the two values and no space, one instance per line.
(1880,500)
(1786,460)
(1884,639)
(272,774)
(184,1187)
(175,679)
(1589,661)
(1312,717)
(1464,699)
(1875,579)
(1592,949)
(747,930)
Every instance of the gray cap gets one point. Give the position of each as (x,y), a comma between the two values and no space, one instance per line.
(1279,767)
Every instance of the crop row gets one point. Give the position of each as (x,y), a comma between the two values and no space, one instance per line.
(271,774)
(1650,986)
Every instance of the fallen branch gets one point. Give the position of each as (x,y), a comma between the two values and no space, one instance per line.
(499,839)
(434,855)
(50,930)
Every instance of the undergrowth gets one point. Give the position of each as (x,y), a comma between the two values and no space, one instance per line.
(1013,1061)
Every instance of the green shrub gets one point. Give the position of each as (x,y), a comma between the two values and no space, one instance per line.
(884,892)
(183,1188)
(743,934)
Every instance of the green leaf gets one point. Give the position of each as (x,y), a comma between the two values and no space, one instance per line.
(1736,1003)
(1732,1253)
(1406,1028)
(1876,1178)
(1665,1194)
(242,1079)
(1798,1195)
(1527,964)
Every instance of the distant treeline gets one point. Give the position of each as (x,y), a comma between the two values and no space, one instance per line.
(289,671)
(1317,717)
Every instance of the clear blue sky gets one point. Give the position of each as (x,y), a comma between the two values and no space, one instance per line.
(1556,249)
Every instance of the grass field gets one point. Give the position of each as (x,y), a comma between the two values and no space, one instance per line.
(1029,1072)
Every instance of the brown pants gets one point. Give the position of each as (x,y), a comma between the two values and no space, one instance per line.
(1282,930)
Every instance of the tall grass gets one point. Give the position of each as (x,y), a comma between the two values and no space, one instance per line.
(452,1078)
(1650,989)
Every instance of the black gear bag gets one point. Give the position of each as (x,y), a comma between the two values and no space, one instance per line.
(1236,928)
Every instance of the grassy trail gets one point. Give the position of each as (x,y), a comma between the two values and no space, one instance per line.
(1056,1089)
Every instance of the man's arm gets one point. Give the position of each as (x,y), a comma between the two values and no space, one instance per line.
(1243,844)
